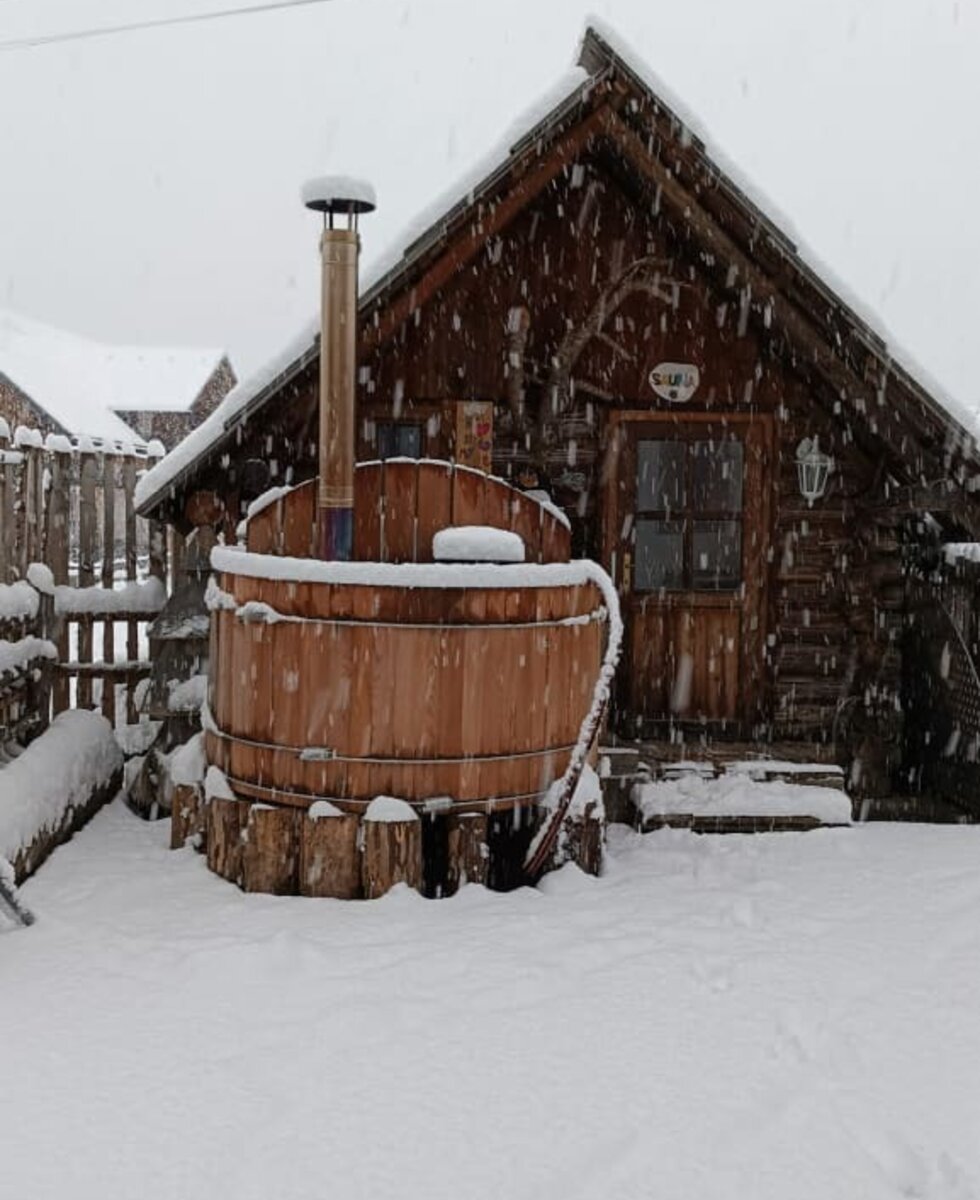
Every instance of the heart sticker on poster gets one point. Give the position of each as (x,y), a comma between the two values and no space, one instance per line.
(676,382)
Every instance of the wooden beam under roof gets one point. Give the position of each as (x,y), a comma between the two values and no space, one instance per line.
(529,175)
(809,341)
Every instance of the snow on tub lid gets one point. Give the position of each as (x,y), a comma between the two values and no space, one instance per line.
(477,543)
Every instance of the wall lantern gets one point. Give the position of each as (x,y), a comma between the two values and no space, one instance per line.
(813,469)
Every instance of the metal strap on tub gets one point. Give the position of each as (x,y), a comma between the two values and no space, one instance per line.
(436,804)
(318,754)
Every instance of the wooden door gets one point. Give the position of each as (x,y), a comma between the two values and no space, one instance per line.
(687,538)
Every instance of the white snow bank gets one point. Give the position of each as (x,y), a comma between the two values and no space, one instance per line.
(968,551)
(407,575)
(18,601)
(761,768)
(14,656)
(144,598)
(737,796)
(588,791)
(188,764)
(57,772)
(387,809)
(188,695)
(321,809)
(477,543)
(216,785)
(712,1019)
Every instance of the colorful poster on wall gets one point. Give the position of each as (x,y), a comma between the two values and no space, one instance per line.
(474,433)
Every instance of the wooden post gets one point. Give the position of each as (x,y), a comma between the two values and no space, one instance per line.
(29,514)
(8,471)
(108,579)
(392,852)
(188,816)
(226,821)
(584,839)
(132,627)
(329,856)
(270,854)
(56,556)
(86,569)
(468,854)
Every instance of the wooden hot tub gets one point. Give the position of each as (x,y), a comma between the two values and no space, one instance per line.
(463,685)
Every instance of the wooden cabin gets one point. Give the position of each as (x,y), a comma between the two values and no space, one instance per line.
(607,316)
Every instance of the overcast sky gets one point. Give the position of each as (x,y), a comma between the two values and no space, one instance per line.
(149,182)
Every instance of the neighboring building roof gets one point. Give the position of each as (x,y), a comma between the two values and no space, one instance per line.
(82,384)
(838,316)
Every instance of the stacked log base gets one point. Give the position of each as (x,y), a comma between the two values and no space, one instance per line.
(584,836)
(270,850)
(392,854)
(281,850)
(469,856)
(329,857)
(188,816)
(227,821)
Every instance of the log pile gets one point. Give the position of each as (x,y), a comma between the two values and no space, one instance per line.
(326,852)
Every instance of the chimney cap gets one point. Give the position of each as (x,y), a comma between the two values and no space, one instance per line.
(339,194)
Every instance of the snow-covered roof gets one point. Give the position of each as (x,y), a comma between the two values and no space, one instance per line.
(81,383)
(600,50)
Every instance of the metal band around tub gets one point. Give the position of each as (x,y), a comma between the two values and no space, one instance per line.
(310,752)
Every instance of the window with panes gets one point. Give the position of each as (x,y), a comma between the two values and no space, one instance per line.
(688,514)
(399,439)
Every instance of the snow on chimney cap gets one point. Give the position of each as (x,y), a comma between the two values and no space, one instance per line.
(339,194)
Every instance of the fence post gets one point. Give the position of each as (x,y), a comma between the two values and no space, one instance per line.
(8,472)
(89,478)
(56,556)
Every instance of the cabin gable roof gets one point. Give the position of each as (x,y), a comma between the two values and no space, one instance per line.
(613,105)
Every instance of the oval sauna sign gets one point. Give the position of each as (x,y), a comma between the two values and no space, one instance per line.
(676,382)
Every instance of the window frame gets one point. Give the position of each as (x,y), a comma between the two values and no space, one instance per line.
(395,428)
(687,515)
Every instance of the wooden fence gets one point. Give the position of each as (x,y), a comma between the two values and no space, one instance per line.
(69,507)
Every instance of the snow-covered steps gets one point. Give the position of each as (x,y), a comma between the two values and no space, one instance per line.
(727,788)
(735,802)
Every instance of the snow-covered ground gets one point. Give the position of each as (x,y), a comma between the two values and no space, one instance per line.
(789,1015)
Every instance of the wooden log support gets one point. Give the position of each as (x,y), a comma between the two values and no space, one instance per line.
(226,822)
(468,855)
(392,853)
(270,850)
(188,816)
(584,838)
(329,855)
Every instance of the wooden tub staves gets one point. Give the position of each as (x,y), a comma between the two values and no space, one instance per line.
(456,687)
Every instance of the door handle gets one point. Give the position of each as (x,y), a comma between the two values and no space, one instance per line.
(627,571)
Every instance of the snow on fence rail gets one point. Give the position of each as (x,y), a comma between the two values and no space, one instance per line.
(69,506)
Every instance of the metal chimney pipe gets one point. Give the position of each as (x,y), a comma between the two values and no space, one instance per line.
(338,357)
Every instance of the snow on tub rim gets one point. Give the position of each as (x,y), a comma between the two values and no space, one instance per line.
(463,680)
(577,573)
